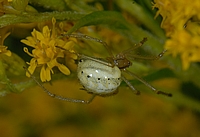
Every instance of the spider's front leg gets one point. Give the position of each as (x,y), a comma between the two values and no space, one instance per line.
(60,97)
(131,86)
(147,84)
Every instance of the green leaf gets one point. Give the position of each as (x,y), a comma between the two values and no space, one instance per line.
(5,83)
(13,64)
(58,5)
(110,18)
(162,73)
(9,19)
(115,21)
(80,5)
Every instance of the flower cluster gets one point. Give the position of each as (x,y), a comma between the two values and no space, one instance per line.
(48,48)
(180,21)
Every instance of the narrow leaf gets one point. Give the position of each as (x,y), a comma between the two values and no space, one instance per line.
(9,19)
(111,18)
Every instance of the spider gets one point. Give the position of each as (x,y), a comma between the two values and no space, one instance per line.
(103,77)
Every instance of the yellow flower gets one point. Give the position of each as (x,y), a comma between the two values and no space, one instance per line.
(176,13)
(185,44)
(46,51)
(183,34)
(3,50)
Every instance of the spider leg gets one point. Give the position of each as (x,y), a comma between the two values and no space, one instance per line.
(148,85)
(133,57)
(135,47)
(82,36)
(60,97)
(81,56)
(130,85)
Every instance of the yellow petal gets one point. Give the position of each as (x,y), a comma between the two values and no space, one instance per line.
(32,67)
(42,61)
(63,69)
(48,74)
(46,32)
(3,50)
(185,61)
(27,42)
(73,56)
(49,53)
(8,53)
(33,33)
(32,41)
(39,35)
(52,63)
(45,74)
(69,45)
(52,43)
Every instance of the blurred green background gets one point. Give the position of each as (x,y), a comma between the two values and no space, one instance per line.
(34,114)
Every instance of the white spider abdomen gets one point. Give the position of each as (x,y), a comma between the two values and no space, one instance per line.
(98,78)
